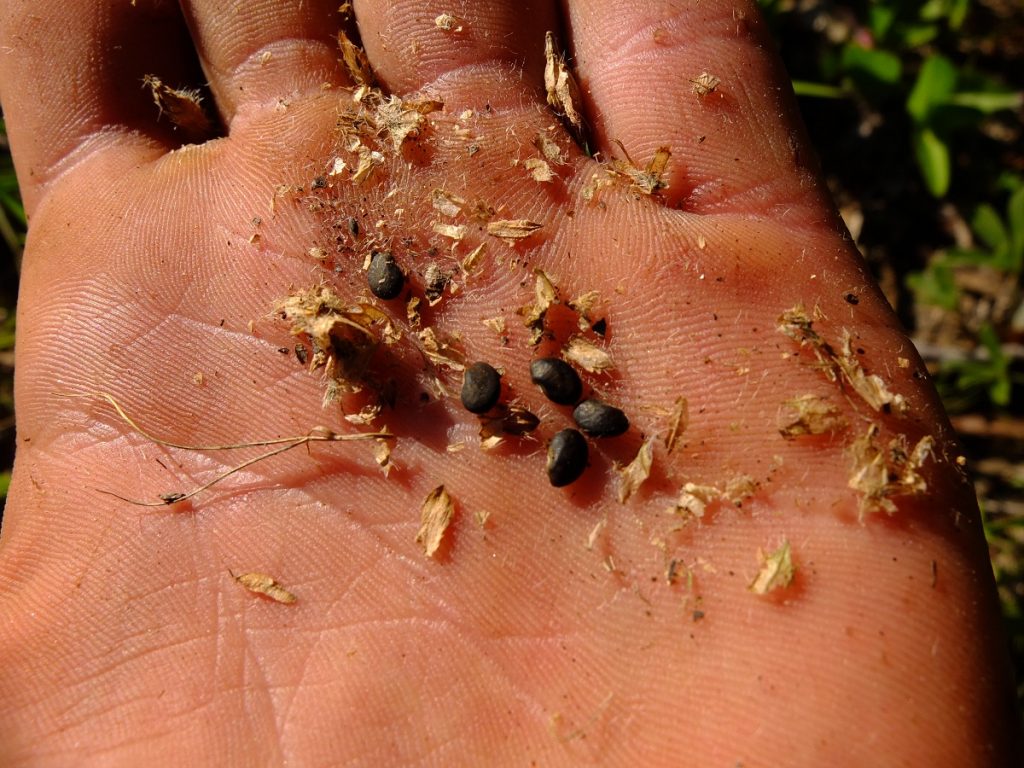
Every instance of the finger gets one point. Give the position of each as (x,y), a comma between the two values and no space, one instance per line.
(71,76)
(648,72)
(413,43)
(264,50)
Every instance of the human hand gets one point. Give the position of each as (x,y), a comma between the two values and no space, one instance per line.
(567,627)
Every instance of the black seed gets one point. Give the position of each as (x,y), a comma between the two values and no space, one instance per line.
(567,457)
(481,388)
(598,419)
(557,380)
(852,298)
(384,276)
(600,327)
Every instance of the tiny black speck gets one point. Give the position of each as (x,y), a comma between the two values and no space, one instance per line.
(852,298)
(567,457)
(600,327)
(557,380)
(599,419)
(384,276)
(481,388)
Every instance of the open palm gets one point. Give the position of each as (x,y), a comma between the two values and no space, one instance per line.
(552,625)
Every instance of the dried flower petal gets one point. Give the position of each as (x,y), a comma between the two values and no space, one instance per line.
(879,474)
(435,517)
(473,258)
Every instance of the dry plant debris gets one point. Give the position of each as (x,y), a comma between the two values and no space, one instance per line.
(469,264)
(355,61)
(634,474)
(448,23)
(841,365)
(880,473)
(587,355)
(704,83)
(343,335)
(582,305)
(776,571)
(563,93)
(677,422)
(442,351)
(548,148)
(365,416)
(454,231)
(382,455)
(809,415)
(400,119)
(538,169)
(496,324)
(533,314)
(694,499)
(511,230)
(446,203)
(511,421)
(648,180)
(435,517)
(182,106)
(262,584)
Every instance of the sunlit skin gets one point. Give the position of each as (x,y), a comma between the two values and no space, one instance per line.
(553,626)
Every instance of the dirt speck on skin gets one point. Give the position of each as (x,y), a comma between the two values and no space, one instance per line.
(776,572)
(435,516)
(262,584)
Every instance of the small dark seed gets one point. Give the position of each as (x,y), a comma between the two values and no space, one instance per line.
(557,380)
(567,457)
(481,388)
(598,419)
(600,327)
(301,353)
(384,276)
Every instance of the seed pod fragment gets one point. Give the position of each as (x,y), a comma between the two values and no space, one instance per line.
(567,457)
(557,380)
(481,388)
(384,276)
(599,419)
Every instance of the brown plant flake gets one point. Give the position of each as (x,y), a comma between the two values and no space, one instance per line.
(842,365)
(182,106)
(455,231)
(647,180)
(634,474)
(365,416)
(592,189)
(446,203)
(262,584)
(369,160)
(435,280)
(879,474)
(355,60)
(435,516)
(548,148)
(582,305)
(441,351)
(496,324)
(401,119)
(511,421)
(412,312)
(533,314)
(446,22)
(511,230)
(587,355)
(740,488)
(382,455)
(562,92)
(777,570)
(678,420)
(538,169)
(469,264)
(694,499)
(809,415)
(704,83)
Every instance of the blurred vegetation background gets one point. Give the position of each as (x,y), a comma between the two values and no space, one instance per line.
(917,112)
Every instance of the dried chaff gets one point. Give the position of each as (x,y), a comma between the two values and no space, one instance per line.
(183,106)
(382,455)
(435,280)
(843,365)
(443,351)
(776,572)
(582,305)
(677,422)
(510,421)
(446,203)
(435,517)
(369,160)
(633,475)
(548,148)
(448,23)
(355,60)
(511,230)
(809,415)
(455,231)
(262,584)
(401,119)
(694,499)
(740,488)
(592,189)
(648,180)
(365,416)
(496,324)
(704,83)
(595,532)
(533,314)
(412,312)
(587,355)
(469,263)
(539,169)
(563,93)
(879,474)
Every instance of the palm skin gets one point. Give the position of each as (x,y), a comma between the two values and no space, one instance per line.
(124,638)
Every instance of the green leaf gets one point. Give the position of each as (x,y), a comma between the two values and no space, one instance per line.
(866,64)
(1015,220)
(936,286)
(933,159)
(5,484)
(989,227)
(880,19)
(987,102)
(934,86)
